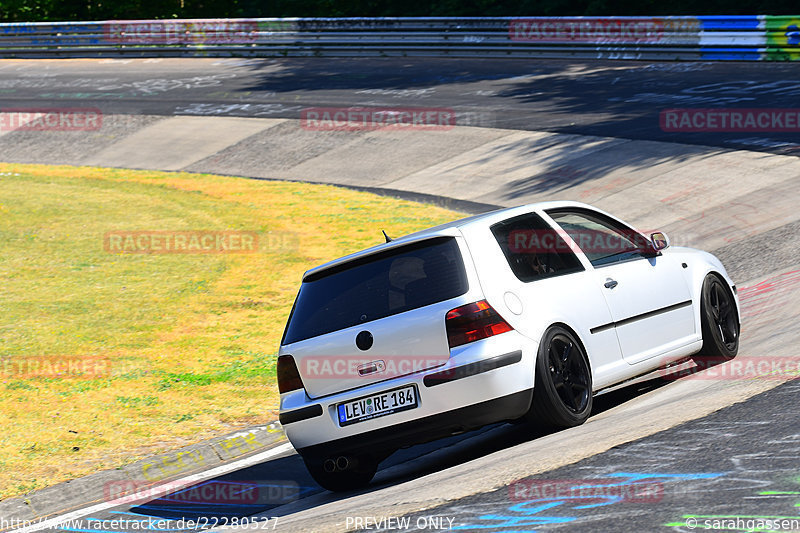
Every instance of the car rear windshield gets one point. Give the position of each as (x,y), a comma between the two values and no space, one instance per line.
(377,286)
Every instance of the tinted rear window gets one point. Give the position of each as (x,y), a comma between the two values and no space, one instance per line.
(377,286)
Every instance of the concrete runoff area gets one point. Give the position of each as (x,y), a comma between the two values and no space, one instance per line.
(176,143)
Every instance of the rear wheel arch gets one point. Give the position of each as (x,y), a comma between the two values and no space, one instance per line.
(574,334)
(562,393)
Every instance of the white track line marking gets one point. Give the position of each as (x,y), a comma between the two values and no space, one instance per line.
(201,476)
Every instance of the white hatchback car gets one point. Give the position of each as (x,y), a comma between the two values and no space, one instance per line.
(521,313)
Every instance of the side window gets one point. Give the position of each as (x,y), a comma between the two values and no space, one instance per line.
(602,239)
(533,249)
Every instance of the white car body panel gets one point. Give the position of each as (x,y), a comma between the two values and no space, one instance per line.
(435,400)
(427,348)
(577,300)
(645,285)
(558,292)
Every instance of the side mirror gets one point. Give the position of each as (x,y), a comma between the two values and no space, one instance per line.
(660,241)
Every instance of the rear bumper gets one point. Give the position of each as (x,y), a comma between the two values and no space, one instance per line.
(485,382)
(382,442)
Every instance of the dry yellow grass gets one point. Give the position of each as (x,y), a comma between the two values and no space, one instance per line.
(191,337)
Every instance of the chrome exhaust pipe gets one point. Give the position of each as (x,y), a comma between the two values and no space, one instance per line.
(342,463)
(339,464)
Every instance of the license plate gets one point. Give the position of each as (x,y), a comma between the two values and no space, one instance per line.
(377,405)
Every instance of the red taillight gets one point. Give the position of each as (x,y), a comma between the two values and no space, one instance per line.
(288,376)
(473,322)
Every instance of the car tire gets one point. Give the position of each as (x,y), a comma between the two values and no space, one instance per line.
(719,320)
(343,480)
(562,392)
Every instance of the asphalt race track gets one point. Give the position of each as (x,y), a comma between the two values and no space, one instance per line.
(606,98)
(656,454)
(681,478)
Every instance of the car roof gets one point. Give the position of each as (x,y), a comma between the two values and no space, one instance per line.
(450,229)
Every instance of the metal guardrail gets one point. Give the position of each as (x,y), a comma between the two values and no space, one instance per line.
(760,37)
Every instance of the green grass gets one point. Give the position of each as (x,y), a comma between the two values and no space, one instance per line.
(190,339)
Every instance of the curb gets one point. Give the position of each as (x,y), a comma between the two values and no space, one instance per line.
(74,494)
(465,206)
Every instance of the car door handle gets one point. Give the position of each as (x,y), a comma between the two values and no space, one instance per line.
(610,283)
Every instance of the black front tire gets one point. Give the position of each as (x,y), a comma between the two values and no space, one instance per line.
(562,393)
(719,321)
(346,480)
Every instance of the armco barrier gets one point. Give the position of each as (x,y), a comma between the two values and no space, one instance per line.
(649,38)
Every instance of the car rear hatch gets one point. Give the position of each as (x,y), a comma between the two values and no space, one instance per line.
(375,317)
